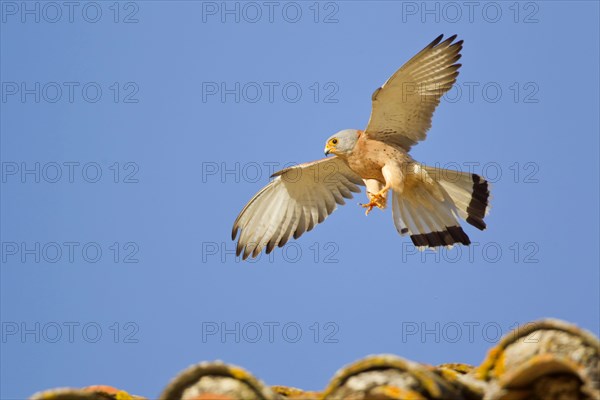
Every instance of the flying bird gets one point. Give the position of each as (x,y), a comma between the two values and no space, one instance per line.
(427,202)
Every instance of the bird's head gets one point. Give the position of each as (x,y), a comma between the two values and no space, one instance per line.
(342,143)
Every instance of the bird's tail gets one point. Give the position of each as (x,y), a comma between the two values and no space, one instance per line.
(433,201)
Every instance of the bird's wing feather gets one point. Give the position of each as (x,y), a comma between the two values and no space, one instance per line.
(402,108)
(297,199)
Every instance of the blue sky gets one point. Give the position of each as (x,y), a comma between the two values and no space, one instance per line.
(132,135)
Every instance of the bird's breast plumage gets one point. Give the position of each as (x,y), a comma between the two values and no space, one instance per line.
(369,156)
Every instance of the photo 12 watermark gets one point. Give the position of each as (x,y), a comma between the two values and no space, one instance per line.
(289,92)
(475,253)
(69,252)
(69,12)
(291,253)
(52,172)
(69,92)
(487,12)
(270,12)
(491,92)
(69,332)
(450,332)
(270,332)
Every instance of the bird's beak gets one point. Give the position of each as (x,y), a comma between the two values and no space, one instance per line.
(327,150)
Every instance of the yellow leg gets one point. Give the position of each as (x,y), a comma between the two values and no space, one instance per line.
(376,200)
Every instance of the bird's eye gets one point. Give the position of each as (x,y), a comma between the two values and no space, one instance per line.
(334,141)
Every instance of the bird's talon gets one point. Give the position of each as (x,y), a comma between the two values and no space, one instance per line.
(369,206)
(375,200)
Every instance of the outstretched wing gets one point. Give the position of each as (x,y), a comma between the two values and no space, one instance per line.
(404,105)
(297,199)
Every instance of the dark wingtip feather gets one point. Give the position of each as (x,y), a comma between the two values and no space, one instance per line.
(448,41)
(477,222)
(436,40)
(459,235)
(418,240)
(458,44)
(246,253)
(452,235)
(456,58)
(270,246)
(479,202)
(283,241)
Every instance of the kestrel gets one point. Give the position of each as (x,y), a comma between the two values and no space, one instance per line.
(427,202)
